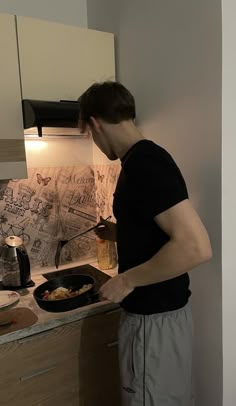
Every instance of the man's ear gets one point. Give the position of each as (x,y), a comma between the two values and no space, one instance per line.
(95,123)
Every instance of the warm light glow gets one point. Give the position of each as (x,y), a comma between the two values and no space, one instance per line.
(54,131)
(35,145)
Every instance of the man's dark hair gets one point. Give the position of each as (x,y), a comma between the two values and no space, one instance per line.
(110,101)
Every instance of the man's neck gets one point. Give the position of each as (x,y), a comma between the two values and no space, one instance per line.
(123,136)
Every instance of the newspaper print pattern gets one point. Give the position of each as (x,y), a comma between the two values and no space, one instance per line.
(54,204)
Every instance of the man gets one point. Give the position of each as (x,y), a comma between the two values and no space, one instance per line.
(159,238)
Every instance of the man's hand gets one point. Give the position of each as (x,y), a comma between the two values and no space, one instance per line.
(116,289)
(107,230)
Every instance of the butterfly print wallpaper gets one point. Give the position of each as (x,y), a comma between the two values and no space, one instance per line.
(54,204)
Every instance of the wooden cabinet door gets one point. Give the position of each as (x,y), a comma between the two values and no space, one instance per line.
(99,377)
(73,365)
(58,61)
(12,149)
(42,369)
(56,384)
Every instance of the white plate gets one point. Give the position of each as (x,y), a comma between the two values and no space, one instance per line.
(8,298)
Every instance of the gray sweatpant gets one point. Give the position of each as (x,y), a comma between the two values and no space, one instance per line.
(156,358)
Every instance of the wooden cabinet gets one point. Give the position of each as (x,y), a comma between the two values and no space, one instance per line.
(40,368)
(12,149)
(48,61)
(74,365)
(99,380)
(59,61)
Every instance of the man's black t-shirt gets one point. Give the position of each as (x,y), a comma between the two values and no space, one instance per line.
(149,183)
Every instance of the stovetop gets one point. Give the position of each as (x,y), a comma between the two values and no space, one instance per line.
(99,277)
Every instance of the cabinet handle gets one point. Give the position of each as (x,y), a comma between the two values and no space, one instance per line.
(114,344)
(40,372)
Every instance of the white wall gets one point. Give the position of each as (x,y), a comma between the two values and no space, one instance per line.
(229,200)
(72,12)
(169,55)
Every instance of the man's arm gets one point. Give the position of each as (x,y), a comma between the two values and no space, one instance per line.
(188,247)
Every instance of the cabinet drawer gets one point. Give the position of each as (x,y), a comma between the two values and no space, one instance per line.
(55,383)
(99,331)
(39,351)
(66,399)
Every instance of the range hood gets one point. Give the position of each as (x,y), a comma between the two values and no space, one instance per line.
(58,118)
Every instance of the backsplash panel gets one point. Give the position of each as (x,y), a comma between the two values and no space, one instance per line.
(57,203)
(106,177)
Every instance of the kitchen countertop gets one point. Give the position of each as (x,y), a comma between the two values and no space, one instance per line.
(47,321)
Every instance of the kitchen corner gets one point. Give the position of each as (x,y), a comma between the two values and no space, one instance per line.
(63,358)
(42,320)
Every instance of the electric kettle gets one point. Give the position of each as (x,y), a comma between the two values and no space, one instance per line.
(14,264)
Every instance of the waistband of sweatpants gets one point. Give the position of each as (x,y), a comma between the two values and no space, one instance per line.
(187,307)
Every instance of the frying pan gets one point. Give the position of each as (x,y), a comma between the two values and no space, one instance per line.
(73,282)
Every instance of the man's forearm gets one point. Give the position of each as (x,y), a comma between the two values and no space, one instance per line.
(173,259)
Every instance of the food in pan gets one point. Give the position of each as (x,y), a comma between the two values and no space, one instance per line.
(64,293)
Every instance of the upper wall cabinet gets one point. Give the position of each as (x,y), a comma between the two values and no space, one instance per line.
(12,149)
(45,61)
(58,61)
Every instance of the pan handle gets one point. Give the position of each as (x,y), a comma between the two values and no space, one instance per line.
(95,296)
